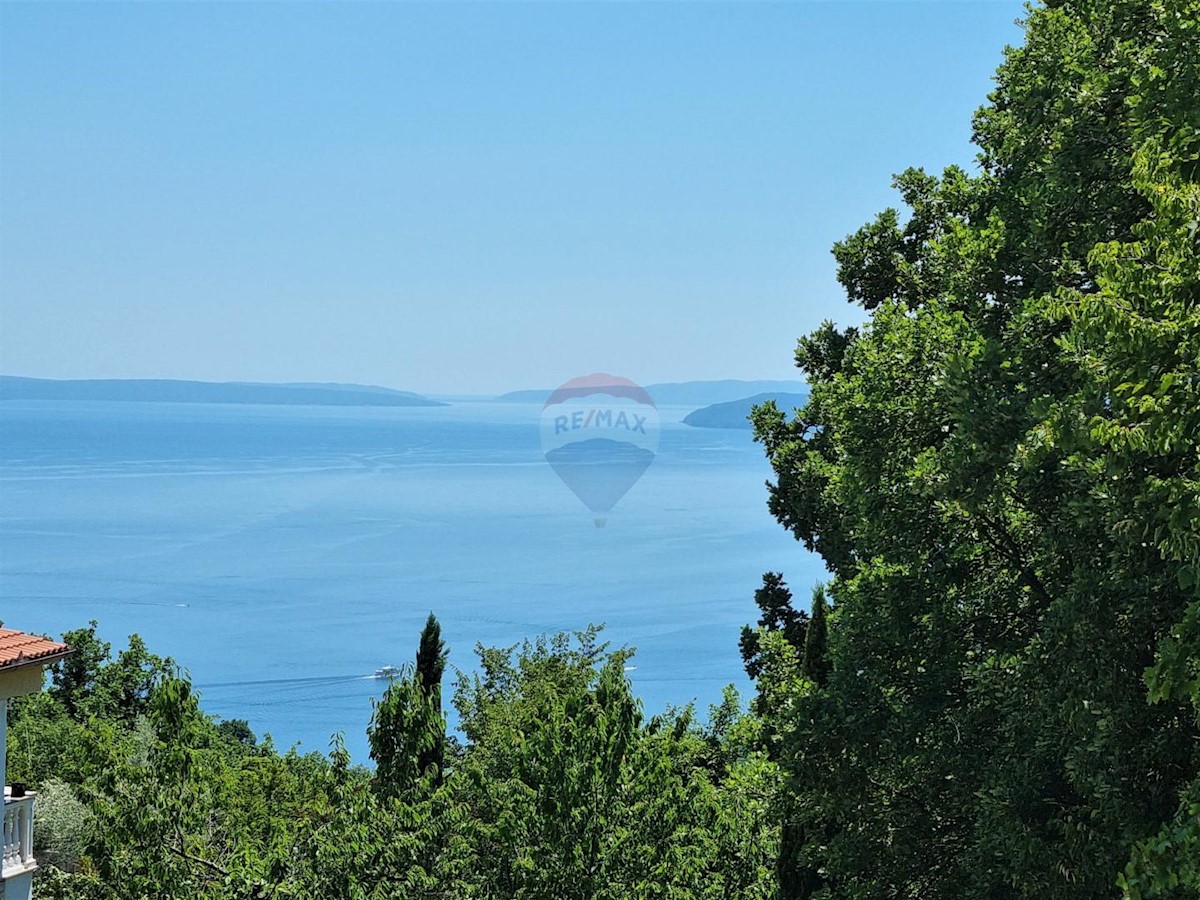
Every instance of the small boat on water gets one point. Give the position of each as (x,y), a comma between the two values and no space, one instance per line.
(388,672)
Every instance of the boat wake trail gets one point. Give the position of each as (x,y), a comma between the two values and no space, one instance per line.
(323,679)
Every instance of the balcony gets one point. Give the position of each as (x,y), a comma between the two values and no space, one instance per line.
(18,836)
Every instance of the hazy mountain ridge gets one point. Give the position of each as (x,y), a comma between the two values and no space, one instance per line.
(161,390)
(686,393)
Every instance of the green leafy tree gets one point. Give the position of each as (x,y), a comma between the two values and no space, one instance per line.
(90,682)
(74,678)
(1137,417)
(62,826)
(999,471)
(405,733)
(238,731)
(774,601)
(575,795)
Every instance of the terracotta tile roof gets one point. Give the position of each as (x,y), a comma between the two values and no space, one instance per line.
(18,648)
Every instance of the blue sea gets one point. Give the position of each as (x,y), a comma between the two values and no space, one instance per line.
(281,554)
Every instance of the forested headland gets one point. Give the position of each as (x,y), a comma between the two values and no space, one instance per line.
(996,694)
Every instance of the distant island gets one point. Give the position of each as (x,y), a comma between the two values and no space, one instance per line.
(13,387)
(715,396)
(735,413)
(685,393)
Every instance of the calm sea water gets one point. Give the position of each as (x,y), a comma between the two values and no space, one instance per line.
(282,554)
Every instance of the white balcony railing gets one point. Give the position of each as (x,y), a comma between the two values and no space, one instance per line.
(18,836)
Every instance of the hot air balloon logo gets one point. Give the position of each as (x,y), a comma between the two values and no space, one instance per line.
(599,434)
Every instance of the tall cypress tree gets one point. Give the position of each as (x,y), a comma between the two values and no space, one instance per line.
(408,732)
(431,664)
(816,639)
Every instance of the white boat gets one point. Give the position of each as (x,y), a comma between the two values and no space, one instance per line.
(388,672)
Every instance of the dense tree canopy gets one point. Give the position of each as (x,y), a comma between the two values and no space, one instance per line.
(1000,469)
(561,788)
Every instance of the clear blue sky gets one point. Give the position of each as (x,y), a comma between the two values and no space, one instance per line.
(457,197)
